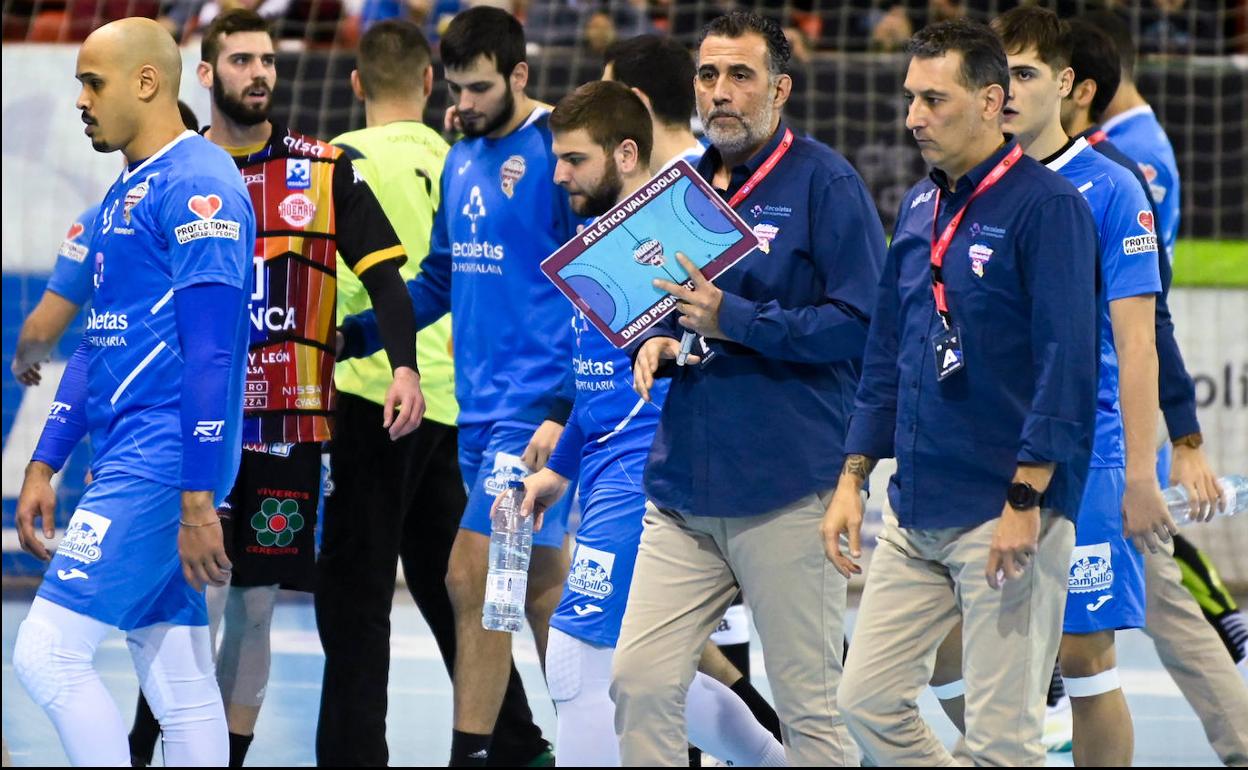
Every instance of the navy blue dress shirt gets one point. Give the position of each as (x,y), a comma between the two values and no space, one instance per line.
(1024,302)
(1175,389)
(761,423)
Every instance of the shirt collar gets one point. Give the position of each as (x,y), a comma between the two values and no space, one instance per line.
(1123,117)
(712,160)
(971,179)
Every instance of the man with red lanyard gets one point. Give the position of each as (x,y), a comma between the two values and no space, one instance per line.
(980,377)
(748,446)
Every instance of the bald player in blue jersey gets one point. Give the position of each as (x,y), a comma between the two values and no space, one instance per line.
(500,216)
(157,383)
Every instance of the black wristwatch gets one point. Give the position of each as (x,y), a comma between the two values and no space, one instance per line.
(1022,496)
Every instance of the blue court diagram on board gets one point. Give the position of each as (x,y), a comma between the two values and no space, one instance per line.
(613,275)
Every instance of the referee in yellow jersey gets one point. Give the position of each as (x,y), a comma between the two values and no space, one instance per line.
(400,499)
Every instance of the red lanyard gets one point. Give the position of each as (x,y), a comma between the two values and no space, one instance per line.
(743,192)
(1097,137)
(941,245)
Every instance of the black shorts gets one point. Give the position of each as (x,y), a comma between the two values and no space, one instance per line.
(270,516)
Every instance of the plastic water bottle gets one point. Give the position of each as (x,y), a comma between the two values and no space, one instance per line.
(1234,498)
(511,542)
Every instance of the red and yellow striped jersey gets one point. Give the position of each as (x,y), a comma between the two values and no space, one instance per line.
(310,205)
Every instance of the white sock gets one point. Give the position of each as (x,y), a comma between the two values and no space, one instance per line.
(174,664)
(53,658)
(722,725)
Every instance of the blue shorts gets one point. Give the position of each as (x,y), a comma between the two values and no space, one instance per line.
(489,457)
(1105,589)
(1165,457)
(118,561)
(596,591)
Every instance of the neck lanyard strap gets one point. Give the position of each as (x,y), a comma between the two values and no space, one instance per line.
(941,245)
(741,194)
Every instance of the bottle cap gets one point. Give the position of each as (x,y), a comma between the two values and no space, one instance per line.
(515,484)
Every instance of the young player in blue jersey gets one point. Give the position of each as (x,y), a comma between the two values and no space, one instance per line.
(1189,648)
(157,384)
(602,138)
(500,215)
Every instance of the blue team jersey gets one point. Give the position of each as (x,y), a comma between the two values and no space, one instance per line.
(180,218)
(611,428)
(500,216)
(71,277)
(1127,243)
(1138,133)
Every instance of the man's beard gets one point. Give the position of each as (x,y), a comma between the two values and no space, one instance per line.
(235,109)
(500,120)
(602,198)
(752,131)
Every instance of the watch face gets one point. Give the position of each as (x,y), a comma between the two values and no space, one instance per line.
(1023,496)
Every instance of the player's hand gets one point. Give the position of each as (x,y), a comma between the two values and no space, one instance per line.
(37,502)
(1145,517)
(541,490)
(699,306)
(844,517)
(26,373)
(450,121)
(541,445)
(1014,544)
(202,548)
(405,396)
(1190,469)
(650,357)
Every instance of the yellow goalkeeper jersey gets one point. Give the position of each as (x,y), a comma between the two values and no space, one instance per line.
(402,163)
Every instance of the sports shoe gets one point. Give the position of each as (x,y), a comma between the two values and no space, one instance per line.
(1059,727)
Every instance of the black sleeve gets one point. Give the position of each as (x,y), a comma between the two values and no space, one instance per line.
(395,320)
(364,233)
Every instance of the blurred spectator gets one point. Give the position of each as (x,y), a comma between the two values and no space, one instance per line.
(599,32)
(890,29)
(561,22)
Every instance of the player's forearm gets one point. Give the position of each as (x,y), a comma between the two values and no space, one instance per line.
(67,419)
(44,327)
(208,319)
(396,321)
(1137,383)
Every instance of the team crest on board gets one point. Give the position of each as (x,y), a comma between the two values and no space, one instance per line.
(979,253)
(765,232)
(512,171)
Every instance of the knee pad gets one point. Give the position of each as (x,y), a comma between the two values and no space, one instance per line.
(574,667)
(34,655)
(1090,686)
(950,690)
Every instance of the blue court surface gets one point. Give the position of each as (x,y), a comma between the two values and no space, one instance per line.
(1167,732)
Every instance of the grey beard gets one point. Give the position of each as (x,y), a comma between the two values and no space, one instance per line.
(756,131)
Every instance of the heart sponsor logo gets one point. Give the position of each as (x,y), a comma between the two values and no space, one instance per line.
(75,230)
(204,206)
(1145,218)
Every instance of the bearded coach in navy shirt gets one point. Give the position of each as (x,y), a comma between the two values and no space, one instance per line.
(980,377)
(748,447)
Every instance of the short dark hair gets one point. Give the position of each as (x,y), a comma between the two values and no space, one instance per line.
(1030,26)
(659,67)
(1116,28)
(483,31)
(983,57)
(609,112)
(1094,57)
(189,119)
(739,23)
(392,59)
(228,23)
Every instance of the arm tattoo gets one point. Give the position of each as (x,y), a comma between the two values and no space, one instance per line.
(858,465)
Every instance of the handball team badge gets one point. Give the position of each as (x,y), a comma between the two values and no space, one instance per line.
(133,196)
(512,171)
(979,253)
